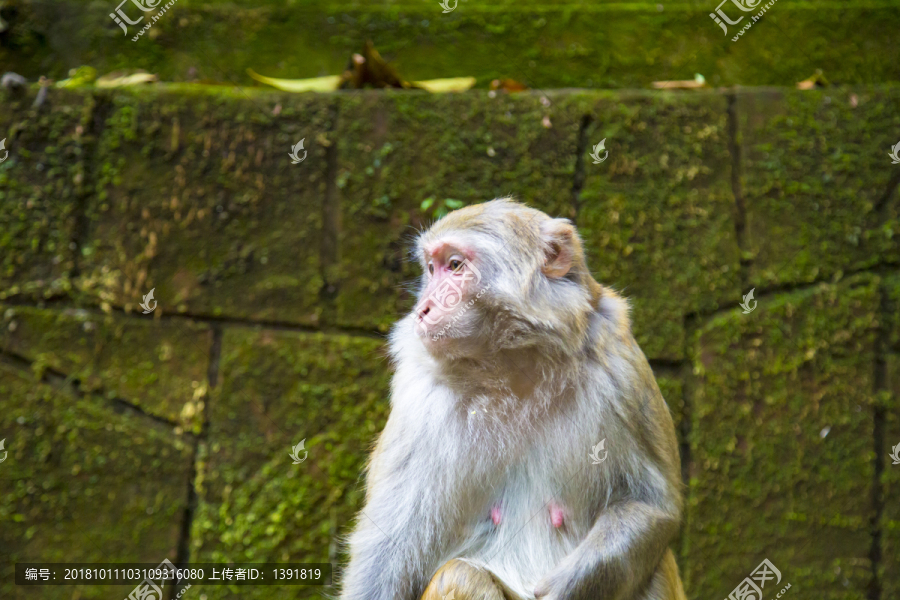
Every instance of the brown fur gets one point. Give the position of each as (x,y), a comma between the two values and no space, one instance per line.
(458,580)
(674,590)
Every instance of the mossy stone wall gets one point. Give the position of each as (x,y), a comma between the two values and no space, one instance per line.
(598,44)
(141,437)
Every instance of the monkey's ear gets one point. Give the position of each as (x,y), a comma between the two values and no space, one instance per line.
(560,246)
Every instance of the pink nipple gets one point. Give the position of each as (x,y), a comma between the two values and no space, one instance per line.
(556,515)
(495,514)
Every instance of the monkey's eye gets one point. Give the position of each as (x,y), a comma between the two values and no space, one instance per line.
(455,264)
(431,268)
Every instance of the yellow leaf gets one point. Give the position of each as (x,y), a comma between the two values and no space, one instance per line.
(316,84)
(452,84)
(330,83)
(121,79)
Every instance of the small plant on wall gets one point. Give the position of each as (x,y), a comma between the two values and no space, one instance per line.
(439,208)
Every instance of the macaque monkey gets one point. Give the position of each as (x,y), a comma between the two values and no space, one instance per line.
(489,481)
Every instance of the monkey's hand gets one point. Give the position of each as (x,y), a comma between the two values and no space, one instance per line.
(617,558)
(557,585)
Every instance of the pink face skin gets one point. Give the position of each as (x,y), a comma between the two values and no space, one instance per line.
(451,278)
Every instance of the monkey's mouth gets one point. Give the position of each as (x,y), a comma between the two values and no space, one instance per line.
(428,320)
(434,332)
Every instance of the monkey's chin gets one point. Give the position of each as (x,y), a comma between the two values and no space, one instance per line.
(451,347)
(438,342)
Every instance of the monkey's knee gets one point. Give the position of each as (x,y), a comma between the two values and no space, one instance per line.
(464,581)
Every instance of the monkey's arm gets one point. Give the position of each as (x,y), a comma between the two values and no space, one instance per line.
(618,557)
(394,543)
(624,547)
(382,545)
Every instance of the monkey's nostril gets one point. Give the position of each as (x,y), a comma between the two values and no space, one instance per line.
(425,310)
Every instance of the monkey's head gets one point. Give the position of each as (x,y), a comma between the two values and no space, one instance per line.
(502,275)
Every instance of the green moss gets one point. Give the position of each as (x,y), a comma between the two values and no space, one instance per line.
(159,366)
(397,150)
(197,198)
(890,518)
(892,310)
(815,170)
(189,190)
(890,479)
(278,389)
(656,215)
(577,44)
(84,484)
(41,183)
(781,441)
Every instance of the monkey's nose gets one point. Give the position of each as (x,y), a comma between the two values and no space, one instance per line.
(424,309)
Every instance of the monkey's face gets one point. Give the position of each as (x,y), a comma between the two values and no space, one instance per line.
(446,312)
(501,275)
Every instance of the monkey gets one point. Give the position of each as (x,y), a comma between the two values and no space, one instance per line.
(483,483)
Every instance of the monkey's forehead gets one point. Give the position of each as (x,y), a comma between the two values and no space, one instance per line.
(498,218)
(476,243)
(449,243)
